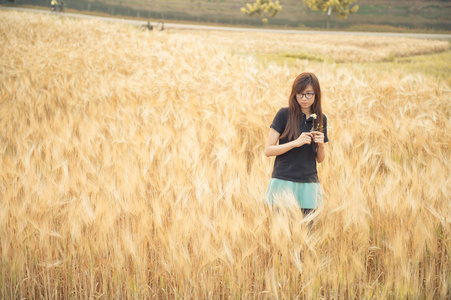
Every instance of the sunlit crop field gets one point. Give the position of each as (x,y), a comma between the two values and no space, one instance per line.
(132,165)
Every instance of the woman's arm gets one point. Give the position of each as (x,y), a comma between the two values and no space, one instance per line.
(272,149)
(318,138)
(321,153)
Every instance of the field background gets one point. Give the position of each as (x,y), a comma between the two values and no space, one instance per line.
(373,15)
(132,164)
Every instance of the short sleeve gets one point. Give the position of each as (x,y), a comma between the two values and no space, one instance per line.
(280,120)
(326,138)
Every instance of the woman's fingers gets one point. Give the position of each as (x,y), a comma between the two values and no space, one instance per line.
(318,137)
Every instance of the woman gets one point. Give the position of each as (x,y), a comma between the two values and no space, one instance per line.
(297,138)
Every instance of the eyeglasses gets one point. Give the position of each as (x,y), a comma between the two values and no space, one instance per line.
(306,95)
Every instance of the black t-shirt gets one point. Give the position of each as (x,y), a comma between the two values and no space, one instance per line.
(298,164)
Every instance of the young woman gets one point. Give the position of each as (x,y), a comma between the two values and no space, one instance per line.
(297,138)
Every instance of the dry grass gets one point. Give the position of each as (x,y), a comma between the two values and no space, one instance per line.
(332,48)
(132,166)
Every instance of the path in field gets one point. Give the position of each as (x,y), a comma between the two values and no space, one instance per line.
(206,27)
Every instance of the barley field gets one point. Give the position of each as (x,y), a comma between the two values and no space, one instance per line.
(132,165)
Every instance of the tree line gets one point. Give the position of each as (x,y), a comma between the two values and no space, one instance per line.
(267,8)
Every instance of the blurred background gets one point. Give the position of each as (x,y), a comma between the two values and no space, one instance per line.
(372,15)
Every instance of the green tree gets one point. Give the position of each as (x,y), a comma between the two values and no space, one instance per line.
(262,9)
(342,8)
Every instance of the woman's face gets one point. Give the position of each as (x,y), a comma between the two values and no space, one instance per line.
(306,98)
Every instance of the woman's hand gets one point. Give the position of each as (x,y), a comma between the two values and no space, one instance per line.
(318,138)
(304,138)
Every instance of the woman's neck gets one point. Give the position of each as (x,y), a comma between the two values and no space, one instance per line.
(307,112)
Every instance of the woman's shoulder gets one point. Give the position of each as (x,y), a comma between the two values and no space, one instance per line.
(283,110)
(282,113)
(281,117)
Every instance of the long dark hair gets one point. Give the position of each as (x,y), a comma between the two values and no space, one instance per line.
(292,129)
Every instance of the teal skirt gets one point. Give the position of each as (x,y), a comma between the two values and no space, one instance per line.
(288,193)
